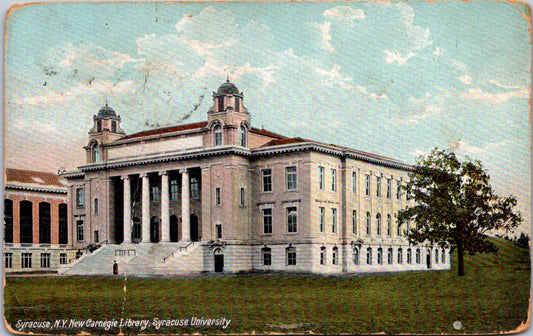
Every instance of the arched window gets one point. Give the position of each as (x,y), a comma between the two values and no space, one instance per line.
(323,255)
(8,221)
(335,255)
(436,255)
(443,256)
(63,223)
(44,223)
(378,224)
(368,224)
(96,206)
(380,256)
(242,136)
(400,256)
(356,256)
(95,152)
(369,256)
(26,222)
(389,225)
(409,256)
(418,256)
(173,227)
(217,135)
(389,256)
(399,229)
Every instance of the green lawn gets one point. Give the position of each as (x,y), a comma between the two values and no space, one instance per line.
(492,297)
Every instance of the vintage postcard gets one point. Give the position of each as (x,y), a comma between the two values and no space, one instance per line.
(321,167)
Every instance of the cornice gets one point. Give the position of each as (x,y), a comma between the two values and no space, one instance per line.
(10,186)
(236,150)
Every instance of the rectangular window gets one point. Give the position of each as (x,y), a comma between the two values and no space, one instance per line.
(398,190)
(321,178)
(174,190)
(378,186)
(334,256)
(389,188)
(79,226)
(354,182)
(80,197)
(267,256)
(333,220)
(217,196)
(266,175)
(322,256)
(96,236)
(8,260)
(62,258)
(155,194)
(242,197)
(113,126)
(292,220)
(333,180)
(96,206)
(45,260)
(291,177)
(267,220)
(195,188)
(218,228)
(367,185)
(321,218)
(291,256)
(354,221)
(26,260)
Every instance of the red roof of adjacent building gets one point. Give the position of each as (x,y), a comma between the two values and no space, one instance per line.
(164,130)
(35,178)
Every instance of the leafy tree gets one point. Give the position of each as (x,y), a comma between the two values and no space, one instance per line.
(455,206)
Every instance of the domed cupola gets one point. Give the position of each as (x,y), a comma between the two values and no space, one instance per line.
(228,88)
(106,129)
(106,112)
(228,118)
(228,97)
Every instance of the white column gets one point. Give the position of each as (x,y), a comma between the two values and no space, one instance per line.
(145,208)
(165,225)
(127,209)
(185,207)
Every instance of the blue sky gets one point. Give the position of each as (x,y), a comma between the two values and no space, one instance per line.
(392,78)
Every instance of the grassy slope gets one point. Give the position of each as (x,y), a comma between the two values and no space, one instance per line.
(492,297)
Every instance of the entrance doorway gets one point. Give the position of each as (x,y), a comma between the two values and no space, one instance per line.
(173,229)
(194,228)
(219,260)
(154,230)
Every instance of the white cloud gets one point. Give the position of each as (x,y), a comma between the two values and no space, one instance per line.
(428,112)
(419,38)
(496,98)
(344,14)
(325,35)
(333,77)
(466,79)
(394,56)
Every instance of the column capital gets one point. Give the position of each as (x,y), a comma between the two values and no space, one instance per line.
(184,170)
(125,177)
(164,172)
(143,175)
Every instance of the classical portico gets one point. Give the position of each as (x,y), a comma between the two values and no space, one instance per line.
(157,209)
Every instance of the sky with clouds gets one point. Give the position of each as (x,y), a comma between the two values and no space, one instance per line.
(392,78)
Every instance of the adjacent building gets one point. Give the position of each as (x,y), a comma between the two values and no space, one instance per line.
(222,195)
(37,235)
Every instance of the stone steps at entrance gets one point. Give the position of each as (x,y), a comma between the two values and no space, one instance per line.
(140,259)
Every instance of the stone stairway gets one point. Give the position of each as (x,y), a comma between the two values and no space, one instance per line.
(139,259)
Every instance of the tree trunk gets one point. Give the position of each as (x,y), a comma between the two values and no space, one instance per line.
(460,262)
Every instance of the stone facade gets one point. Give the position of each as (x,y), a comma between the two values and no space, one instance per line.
(247,198)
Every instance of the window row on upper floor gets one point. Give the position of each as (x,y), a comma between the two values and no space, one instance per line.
(26,215)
